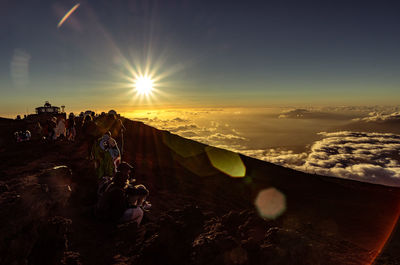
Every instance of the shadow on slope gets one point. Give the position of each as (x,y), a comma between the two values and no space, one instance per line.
(203,211)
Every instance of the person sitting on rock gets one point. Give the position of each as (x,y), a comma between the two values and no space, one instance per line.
(113,202)
(124,171)
(137,204)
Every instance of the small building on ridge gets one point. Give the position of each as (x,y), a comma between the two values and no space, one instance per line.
(47,108)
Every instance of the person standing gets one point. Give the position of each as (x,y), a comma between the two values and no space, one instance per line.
(71,130)
(117,130)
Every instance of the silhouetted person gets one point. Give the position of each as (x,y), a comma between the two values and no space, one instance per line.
(117,130)
(121,204)
(71,127)
(113,202)
(103,151)
(60,130)
(37,132)
(136,204)
(106,122)
(89,133)
(123,169)
(51,125)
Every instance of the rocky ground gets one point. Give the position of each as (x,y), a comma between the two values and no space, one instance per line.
(200,215)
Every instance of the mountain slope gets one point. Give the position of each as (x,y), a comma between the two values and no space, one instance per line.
(200,214)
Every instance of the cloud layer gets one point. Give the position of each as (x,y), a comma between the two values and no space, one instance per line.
(380,117)
(364,156)
(369,157)
(215,133)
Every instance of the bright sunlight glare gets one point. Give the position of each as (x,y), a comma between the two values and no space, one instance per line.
(144,85)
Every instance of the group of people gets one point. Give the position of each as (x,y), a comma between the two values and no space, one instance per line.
(55,127)
(59,128)
(22,136)
(119,200)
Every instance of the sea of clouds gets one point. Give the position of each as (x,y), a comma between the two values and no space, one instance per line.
(369,157)
(364,156)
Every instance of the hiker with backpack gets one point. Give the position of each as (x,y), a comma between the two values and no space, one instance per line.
(102,156)
(117,130)
(114,152)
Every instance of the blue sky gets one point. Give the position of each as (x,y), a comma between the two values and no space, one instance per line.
(212,53)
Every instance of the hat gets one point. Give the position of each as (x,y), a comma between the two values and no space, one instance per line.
(123,166)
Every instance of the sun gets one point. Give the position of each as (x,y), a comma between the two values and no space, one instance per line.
(144,85)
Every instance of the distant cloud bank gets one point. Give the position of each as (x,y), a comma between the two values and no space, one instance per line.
(380,117)
(216,134)
(364,156)
(312,114)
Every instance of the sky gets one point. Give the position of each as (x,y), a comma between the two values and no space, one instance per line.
(199,53)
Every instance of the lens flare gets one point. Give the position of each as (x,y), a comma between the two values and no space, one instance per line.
(270,203)
(227,162)
(66,16)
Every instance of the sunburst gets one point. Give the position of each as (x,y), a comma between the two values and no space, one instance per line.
(144,85)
